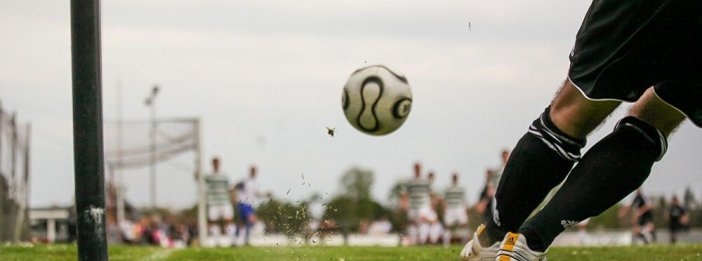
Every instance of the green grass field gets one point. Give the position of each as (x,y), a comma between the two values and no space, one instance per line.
(117,253)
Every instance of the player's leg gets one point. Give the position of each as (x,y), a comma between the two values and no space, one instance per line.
(248,216)
(213,216)
(239,220)
(540,161)
(617,56)
(649,230)
(436,230)
(253,218)
(456,225)
(609,171)
(673,230)
(450,224)
(412,229)
(228,215)
(463,226)
(542,158)
(435,227)
(411,234)
(424,226)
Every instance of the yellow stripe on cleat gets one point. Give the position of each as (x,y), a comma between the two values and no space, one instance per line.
(510,241)
(508,245)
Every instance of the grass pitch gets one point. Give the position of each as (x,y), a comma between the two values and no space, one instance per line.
(319,253)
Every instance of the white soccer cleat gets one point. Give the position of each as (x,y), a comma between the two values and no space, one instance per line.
(473,251)
(514,248)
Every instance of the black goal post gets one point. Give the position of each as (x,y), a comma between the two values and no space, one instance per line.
(88,156)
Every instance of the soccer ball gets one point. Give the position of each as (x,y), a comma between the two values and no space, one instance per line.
(376,100)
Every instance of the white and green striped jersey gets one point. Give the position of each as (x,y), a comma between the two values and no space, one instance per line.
(454,196)
(419,193)
(217,189)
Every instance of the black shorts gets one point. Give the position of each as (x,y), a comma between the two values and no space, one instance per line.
(645,219)
(625,47)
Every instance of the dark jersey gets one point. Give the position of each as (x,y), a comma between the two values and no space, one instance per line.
(640,202)
(675,214)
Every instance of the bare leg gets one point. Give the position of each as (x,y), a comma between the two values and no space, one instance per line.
(657,113)
(576,115)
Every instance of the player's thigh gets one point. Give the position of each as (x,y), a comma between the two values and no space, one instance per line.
(450,217)
(425,214)
(213,212)
(577,115)
(657,113)
(413,215)
(462,218)
(455,216)
(227,212)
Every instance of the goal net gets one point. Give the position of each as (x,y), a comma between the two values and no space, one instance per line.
(131,144)
(155,160)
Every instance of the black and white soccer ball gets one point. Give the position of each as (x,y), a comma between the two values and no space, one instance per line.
(376,99)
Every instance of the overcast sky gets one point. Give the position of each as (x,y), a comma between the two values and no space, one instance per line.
(265,78)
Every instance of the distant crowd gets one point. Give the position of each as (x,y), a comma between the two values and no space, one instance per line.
(434,216)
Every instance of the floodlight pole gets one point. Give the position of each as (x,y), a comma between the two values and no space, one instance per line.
(152,140)
(201,190)
(119,179)
(88,158)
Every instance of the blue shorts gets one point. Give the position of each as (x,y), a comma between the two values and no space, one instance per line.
(245,211)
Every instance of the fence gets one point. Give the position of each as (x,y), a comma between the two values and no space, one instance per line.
(14,177)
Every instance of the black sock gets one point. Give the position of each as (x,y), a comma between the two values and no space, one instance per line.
(540,161)
(609,171)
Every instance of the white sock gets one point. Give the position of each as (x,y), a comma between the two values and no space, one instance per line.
(215,231)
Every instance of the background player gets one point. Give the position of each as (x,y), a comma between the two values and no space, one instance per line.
(248,192)
(436,228)
(219,206)
(642,226)
(420,215)
(678,219)
(492,179)
(455,215)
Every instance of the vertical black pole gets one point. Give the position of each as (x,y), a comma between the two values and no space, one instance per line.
(87,130)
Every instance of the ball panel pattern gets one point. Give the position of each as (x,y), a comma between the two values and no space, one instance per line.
(376,100)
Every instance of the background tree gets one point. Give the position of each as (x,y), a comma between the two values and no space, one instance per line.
(398,214)
(354,203)
(689,201)
(285,217)
(357,183)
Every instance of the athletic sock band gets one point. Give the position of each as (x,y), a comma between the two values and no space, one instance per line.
(567,147)
(649,132)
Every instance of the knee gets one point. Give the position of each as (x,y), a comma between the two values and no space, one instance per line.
(649,132)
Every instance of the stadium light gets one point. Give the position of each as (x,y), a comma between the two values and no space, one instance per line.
(150,102)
